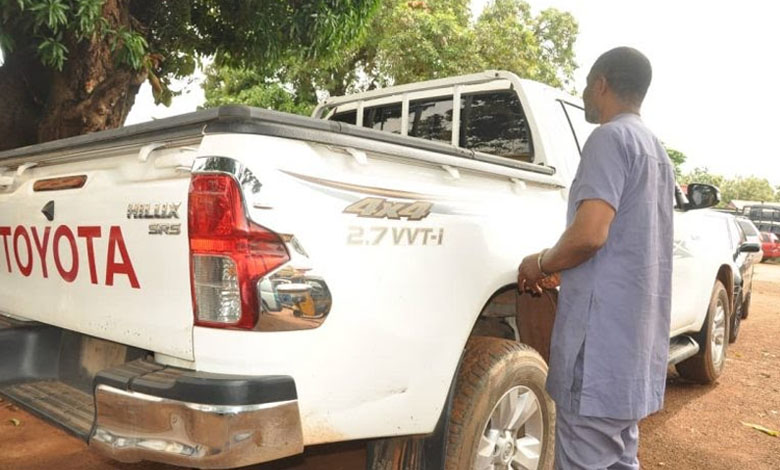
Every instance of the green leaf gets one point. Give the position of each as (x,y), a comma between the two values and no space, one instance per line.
(52,53)
(51,13)
(88,17)
(6,43)
(131,48)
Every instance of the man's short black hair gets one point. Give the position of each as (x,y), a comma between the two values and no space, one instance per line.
(627,71)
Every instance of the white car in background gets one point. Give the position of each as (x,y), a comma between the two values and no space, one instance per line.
(752,235)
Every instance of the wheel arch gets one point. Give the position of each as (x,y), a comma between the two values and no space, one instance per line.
(726,277)
(521,317)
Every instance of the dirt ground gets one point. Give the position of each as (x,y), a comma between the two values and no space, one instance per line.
(699,428)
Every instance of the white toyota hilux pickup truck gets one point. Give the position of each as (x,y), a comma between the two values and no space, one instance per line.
(230,286)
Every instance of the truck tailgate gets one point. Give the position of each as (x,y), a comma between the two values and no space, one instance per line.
(100,246)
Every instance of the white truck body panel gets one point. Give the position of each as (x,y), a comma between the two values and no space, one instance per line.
(342,372)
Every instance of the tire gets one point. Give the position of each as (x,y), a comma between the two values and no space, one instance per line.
(736,321)
(706,366)
(746,305)
(494,373)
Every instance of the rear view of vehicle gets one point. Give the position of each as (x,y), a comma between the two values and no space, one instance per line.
(111,255)
(766,217)
(770,245)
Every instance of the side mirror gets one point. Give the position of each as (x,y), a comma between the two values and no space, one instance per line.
(749,247)
(702,196)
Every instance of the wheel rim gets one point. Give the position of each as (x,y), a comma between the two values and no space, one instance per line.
(718,335)
(512,436)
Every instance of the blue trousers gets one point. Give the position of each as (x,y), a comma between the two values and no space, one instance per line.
(587,443)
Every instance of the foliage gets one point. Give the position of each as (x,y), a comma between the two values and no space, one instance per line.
(540,48)
(410,41)
(677,158)
(244,86)
(166,38)
(749,188)
(44,25)
(702,175)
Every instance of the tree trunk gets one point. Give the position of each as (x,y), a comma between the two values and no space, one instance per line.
(92,92)
(23,89)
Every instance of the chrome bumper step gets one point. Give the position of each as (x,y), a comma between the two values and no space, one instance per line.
(682,348)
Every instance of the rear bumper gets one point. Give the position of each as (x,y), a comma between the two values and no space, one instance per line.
(194,419)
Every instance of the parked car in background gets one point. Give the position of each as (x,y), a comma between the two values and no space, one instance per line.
(768,227)
(766,217)
(746,251)
(770,245)
(752,234)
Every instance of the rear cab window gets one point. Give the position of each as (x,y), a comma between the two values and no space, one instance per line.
(488,119)
(494,122)
(431,119)
(350,117)
(383,118)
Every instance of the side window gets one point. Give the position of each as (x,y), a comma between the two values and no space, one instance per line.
(383,118)
(579,126)
(431,119)
(739,235)
(747,228)
(494,123)
(731,230)
(350,117)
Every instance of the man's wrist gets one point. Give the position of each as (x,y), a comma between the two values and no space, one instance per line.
(540,260)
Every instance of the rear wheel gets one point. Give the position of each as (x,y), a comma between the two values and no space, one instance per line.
(501,417)
(706,366)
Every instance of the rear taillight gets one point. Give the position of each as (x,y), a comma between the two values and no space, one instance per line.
(229,253)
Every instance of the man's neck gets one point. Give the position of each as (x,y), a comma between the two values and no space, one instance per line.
(611,112)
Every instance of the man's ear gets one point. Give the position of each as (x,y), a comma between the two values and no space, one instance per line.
(601,85)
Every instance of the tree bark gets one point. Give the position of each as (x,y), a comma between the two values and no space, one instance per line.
(23,89)
(93,91)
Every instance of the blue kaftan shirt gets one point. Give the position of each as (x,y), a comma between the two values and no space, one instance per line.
(610,342)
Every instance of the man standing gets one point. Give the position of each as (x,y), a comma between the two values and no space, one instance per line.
(610,341)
